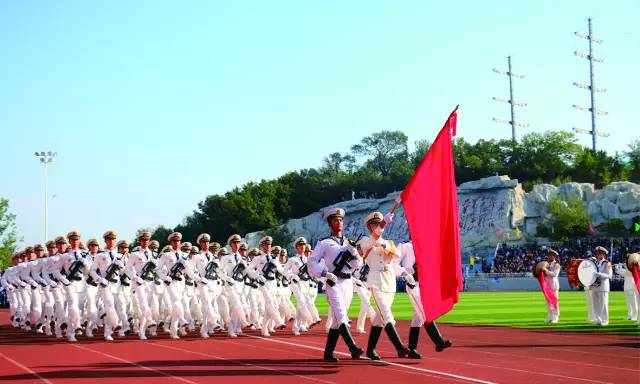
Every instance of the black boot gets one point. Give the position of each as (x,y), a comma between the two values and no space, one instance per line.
(414,335)
(436,337)
(356,352)
(374,335)
(395,340)
(332,340)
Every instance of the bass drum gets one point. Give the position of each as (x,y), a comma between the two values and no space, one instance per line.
(572,273)
(587,273)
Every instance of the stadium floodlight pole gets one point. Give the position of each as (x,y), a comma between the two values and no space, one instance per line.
(591,87)
(46,158)
(511,101)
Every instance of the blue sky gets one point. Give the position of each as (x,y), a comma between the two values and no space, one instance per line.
(153,105)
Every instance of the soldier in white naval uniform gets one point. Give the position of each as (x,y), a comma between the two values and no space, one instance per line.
(630,291)
(170,269)
(380,255)
(551,278)
(600,289)
(335,258)
(140,269)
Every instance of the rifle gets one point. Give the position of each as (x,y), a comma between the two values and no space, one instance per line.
(238,272)
(303,273)
(148,272)
(211,271)
(341,262)
(75,270)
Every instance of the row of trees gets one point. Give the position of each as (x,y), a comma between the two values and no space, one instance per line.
(383,162)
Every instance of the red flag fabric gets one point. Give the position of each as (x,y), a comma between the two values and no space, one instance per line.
(636,276)
(549,295)
(430,202)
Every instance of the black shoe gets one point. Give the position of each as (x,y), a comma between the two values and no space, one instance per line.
(63,326)
(332,340)
(391,331)
(414,335)
(374,335)
(356,351)
(443,346)
(52,324)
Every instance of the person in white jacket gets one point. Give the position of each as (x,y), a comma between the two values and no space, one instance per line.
(630,291)
(600,288)
(551,278)
(292,270)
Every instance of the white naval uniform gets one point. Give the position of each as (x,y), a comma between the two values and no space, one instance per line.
(366,309)
(340,294)
(381,280)
(407,263)
(210,317)
(56,268)
(551,279)
(75,291)
(106,289)
(268,265)
(630,291)
(174,287)
(601,292)
(291,271)
(143,288)
(233,289)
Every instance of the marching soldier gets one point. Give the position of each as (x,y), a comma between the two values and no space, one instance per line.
(551,276)
(267,266)
(296,271)
(74,267)
(170,270)
(341,255)
(104,273)
(600,289)
(140,269)
(410,274)
(92,291)
(122,294)
(235,268)
(360,287)
(312,291)
(379,255)
(201,265)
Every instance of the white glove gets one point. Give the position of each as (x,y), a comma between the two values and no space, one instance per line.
(331,277)
(295,279)
(139,280)
(167,279)
(118,262)
(53,284)
(204,281)
(65,281)
(103,281)
(388,218)
(409,279)
(358,282)
(23,284)
(261,279)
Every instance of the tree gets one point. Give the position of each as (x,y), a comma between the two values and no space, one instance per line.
(569,218)
(8,237)
(421,148)
(613,228)
(336,163)
(160,233)
(382,149)
(633,155)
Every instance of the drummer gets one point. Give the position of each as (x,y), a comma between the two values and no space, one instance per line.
(551,273)
(600,289)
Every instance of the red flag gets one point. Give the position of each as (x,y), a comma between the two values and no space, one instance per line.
(430,202)
(635,272)
(549,295)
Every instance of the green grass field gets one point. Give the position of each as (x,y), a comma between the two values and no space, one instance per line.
(517,309)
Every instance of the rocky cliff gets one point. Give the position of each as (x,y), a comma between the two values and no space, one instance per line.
(491,209)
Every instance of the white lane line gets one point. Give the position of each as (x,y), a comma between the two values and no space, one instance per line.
(242,363)
(502,367)
(25,368)
(135,364)
(380,365)
(445,374)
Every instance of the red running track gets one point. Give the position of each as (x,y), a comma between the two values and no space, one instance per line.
(479,354)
